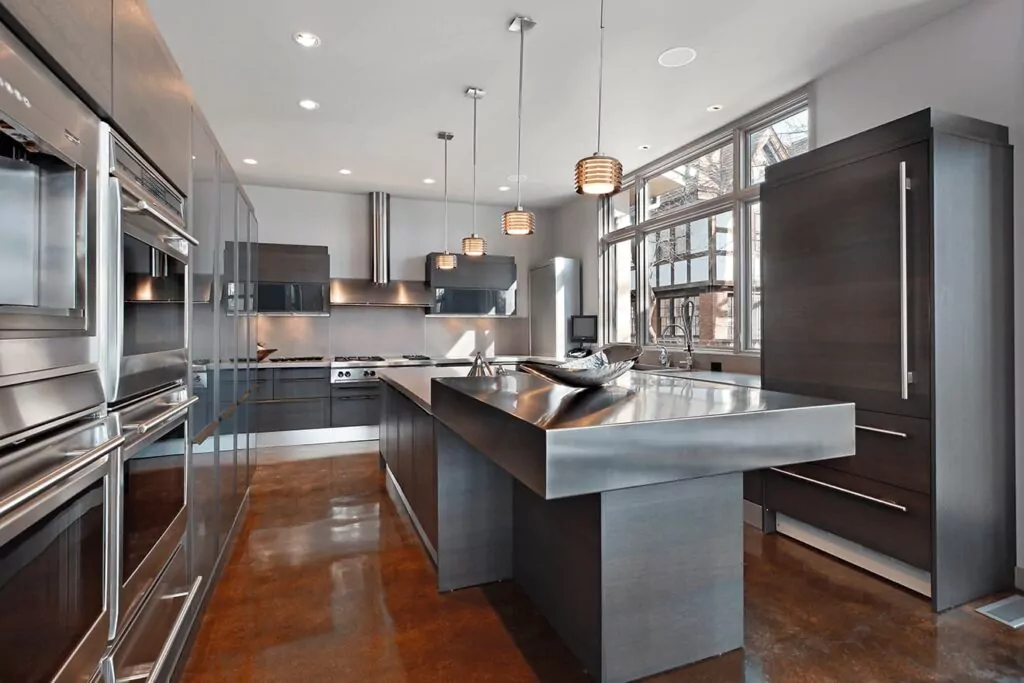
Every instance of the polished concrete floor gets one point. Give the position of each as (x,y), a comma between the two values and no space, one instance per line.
(328,582)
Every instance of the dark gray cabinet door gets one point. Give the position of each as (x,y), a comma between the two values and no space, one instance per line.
(284,416)
(75,34)
(151,101)
(474,272)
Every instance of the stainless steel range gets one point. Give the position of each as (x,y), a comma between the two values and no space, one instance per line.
(356,369)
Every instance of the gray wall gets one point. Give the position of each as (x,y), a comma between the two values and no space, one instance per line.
(971,62)
(574,234)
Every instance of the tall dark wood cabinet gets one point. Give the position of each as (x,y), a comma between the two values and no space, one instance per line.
(888,281)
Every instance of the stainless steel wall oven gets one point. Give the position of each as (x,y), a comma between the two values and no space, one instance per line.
(150,478)
(55,508)
(146,251)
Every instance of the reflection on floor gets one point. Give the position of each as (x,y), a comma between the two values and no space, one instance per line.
(328,582)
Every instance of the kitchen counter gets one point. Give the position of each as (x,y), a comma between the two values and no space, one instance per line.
(415,382)
(386,363)
(617,510)
(735,378)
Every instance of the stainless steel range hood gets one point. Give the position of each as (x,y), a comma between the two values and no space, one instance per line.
(381,290)
(380,219)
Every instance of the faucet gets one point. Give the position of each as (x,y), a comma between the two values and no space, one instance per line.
(687,362)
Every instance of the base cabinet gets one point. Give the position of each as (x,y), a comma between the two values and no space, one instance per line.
(407,446)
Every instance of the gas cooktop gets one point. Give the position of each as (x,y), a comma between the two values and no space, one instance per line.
(358,359)
(296,359)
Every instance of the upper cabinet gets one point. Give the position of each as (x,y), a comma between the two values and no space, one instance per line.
(151,101)
(76,34)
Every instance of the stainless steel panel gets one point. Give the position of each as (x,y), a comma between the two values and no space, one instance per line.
(19,214)
(380,216)
(642,429)
(24,359)
(31,407)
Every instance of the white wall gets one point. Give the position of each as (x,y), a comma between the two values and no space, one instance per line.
(968,62)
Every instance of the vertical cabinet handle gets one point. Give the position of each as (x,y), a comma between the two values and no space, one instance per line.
(904,302)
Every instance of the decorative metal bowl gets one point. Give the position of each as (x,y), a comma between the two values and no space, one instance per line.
(605,365)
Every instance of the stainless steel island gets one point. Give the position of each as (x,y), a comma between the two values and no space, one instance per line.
(618,510)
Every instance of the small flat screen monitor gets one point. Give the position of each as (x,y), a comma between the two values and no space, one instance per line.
(583,329)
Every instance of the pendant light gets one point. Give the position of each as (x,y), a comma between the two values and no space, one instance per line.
(474,245)
(519,222)
(599,174)
(445,261)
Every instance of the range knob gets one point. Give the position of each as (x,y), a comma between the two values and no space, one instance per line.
(373,373)
(348,374)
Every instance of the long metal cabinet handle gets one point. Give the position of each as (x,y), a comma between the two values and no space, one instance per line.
(142,205)
(165,652)
(150,425)
(887,432)
(118,302)
(63,472)
(904,303)
(871,499)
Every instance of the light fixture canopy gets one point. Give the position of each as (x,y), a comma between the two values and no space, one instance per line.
(599,174)
(474,245)
(306,39)
(518,223)
(445,261)
(309,105)
(250,162)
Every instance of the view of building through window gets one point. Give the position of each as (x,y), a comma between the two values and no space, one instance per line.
(691,229)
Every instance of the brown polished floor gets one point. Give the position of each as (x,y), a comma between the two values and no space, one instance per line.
(328,582)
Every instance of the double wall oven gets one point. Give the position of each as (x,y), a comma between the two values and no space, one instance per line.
(144,253)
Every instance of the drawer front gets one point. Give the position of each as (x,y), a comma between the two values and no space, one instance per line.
(857,509)
(891,449)
(285,374)
(301,388)
(355,411)
(284,416)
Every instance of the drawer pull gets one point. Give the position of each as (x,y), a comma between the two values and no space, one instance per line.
(871,499)
(887,432)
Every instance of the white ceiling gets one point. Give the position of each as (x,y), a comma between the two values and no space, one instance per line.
(391,73)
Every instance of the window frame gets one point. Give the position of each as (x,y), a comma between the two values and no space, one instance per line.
(744,195)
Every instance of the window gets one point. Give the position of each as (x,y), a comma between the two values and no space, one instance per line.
(622,295)
(623,209)
(776,142)
(685,256)
(754,221)
(705,177)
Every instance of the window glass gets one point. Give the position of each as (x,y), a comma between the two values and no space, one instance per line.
(623,302)
(623,208)
(706,177)
(681,268)
(754,214)
(777,142)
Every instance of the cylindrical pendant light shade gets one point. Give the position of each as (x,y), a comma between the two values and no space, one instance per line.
(474,245)
(518,222)
(598,175)
(445,261)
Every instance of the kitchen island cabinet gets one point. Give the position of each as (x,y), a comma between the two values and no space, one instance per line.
(617,510)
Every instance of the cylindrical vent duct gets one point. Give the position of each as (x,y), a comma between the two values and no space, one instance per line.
(380,213)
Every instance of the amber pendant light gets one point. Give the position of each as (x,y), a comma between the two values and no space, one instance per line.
(519,222)
(474,245)
(599,174)
(445,261)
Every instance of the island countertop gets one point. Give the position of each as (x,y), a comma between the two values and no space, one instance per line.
(642,429)
(414,382)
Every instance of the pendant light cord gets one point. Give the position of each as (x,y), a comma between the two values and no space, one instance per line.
(519,144)
(600,80)
(476,100)
(446,194)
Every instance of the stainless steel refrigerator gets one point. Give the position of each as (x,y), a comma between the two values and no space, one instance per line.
(555,296)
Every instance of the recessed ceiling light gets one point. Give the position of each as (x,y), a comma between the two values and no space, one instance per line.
(306,39)
(504,188)
(309,105)
(677,56)
(644,148)
(345,171)
(715,107)
(429,181)
(517,178)
(250,162)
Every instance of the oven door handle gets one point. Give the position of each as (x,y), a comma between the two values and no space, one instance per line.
(166,416)
(77,464)
(164,657)
(143,206)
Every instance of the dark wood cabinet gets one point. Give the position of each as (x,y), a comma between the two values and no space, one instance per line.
(293,263)
(474,272)
(356,406)
(887,282)
(151,103)
(75,36)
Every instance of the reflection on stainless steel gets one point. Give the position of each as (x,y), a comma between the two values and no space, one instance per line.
(480,367)
(29,408)
(48,143)
(604,366)
(647,429)
(53,540)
